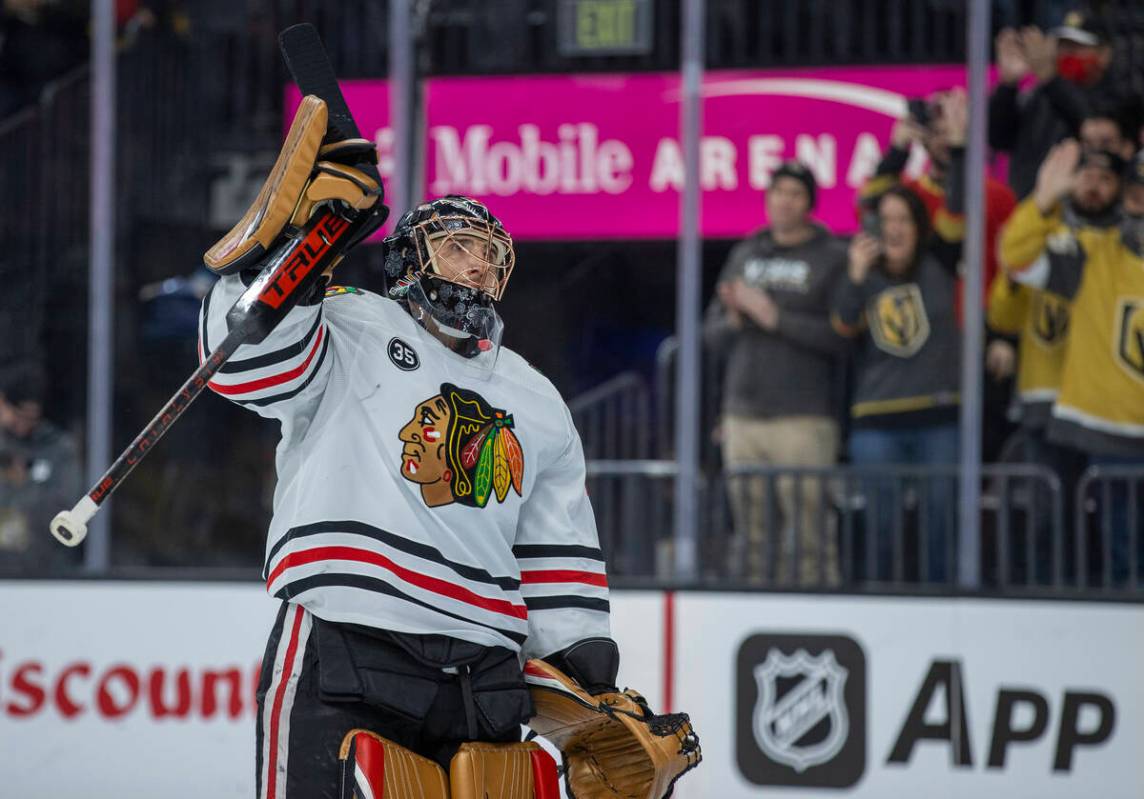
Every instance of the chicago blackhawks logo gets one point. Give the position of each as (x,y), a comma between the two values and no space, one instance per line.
(898,320)
(459,448)
(1130,336)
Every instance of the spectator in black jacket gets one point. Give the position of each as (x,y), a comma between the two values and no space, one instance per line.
(1070,67)
(39,473)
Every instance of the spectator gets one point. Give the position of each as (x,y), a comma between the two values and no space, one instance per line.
(940,125)
(39,474)
(1069,238)
(1104,129)
(941,130)
(1040,321)
(1070,70)
(771,321)
(1041,317)
(1133,202)
(898,300)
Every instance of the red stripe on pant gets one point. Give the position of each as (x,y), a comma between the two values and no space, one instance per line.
(276,708)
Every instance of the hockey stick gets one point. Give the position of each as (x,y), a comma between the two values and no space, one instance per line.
(310,66)
(290,274)
(311,69)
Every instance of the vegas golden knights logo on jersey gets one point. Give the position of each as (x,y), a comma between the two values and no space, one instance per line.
(1130,336)
(898,320)
(1050,319)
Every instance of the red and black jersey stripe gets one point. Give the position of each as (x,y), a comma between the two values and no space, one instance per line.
(560,576)
(268,359)
(363,582)
(339,550)
(393,540)
(308,355)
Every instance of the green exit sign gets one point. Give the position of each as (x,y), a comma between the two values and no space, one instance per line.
(605,27)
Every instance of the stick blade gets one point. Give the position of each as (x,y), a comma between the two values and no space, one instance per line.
(310,66)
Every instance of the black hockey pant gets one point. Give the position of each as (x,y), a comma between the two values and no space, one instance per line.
(428,693)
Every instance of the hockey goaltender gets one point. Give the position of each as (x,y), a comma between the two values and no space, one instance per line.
(432,543)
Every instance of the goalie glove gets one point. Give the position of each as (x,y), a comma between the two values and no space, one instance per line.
(305,175)
(614,747)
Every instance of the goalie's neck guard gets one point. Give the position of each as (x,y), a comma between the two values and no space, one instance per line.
(464,322)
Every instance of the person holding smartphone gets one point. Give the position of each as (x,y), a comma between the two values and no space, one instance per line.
(896,302)
(938,124)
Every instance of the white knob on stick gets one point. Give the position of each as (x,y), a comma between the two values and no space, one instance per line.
(70,526)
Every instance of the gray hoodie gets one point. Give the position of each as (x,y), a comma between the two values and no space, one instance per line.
(788,372)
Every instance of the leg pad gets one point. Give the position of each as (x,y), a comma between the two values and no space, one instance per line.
(508,771)
(374,767)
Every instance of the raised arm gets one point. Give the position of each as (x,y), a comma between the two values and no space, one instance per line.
(1024,239)
(281,378)
(848,315)
(1004,112)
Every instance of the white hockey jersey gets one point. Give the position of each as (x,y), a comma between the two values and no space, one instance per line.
(417,491)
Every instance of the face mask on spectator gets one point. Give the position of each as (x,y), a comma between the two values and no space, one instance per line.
(1082,67)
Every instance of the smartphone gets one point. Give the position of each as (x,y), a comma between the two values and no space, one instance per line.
(919,110)
(872,224)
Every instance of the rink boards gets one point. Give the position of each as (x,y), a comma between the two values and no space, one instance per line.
(131,689)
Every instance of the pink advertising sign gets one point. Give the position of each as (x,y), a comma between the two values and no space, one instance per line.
(599,157)
(575,157)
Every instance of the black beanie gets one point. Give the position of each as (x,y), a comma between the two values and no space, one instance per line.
(793,169)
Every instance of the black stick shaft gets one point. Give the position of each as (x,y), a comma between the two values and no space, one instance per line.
(167,416)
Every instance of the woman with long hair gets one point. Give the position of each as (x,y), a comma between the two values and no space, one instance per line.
(898,302)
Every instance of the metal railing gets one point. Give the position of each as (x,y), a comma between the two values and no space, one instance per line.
(849,525)
(865,527)
(666,357)
(614,419)
(634,510)
(1108,527)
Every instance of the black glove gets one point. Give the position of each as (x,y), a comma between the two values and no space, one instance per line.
(593,663)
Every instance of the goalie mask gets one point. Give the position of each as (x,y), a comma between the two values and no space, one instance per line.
(450,260)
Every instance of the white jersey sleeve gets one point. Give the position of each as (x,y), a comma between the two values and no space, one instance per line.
(281,378)
(562,572)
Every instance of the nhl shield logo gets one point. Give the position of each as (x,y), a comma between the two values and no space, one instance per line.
(807,724)
(800,710)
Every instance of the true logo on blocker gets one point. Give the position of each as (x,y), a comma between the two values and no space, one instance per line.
(801,710)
